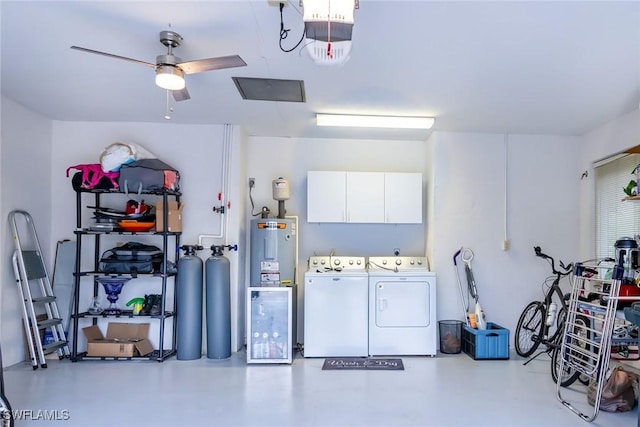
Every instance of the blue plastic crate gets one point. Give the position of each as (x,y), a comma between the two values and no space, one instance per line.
(491,343)
(48,337)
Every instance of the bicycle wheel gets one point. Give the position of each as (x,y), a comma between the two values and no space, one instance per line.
(529,329)
(569,375)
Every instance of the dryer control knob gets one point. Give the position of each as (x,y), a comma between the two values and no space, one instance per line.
(315,262)
(322,262)
(358,262)
(411,262)
(336,262)
(350,262)
(419,262)
(384,262)
(398,261)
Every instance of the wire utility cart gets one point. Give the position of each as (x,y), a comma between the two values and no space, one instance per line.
(587,349)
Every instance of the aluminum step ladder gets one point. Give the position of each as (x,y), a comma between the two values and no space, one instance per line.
(35,291)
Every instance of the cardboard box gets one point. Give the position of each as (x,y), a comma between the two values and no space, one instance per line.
(491,343)
(122,340)
(174,216)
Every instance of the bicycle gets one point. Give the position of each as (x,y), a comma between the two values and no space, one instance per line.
(535,326)
(536,323)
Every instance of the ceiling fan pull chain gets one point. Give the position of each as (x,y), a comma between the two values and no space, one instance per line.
(329,53)
(167,114)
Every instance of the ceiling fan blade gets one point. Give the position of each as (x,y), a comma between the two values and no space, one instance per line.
(97,52)
(181,95)
(201,65)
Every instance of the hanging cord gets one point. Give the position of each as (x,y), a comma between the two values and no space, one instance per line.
(284,33)
(506,189)
(253,206)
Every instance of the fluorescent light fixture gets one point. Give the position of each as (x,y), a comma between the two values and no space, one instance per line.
(170,78)
(374,121)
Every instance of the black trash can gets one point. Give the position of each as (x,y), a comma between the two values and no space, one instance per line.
(450,336)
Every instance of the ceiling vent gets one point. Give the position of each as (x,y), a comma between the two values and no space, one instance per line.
(258,89)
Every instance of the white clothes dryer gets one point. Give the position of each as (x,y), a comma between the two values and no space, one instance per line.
(402,307)
(336,307)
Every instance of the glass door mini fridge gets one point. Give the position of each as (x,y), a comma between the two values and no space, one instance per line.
(271,324)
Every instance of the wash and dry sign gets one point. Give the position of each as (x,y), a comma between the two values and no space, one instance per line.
(363,364)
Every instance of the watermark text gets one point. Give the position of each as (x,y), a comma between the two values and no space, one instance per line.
(37,414)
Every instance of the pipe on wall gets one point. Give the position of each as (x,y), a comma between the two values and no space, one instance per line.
(227,136)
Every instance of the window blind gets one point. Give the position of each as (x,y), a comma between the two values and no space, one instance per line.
(615,218)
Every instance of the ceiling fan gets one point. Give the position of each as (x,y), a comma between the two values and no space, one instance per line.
(170,69)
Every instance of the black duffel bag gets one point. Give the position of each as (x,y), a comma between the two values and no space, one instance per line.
(132,258)
(148,175)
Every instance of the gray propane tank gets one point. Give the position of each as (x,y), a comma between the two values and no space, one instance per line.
(218,303)
(189,304)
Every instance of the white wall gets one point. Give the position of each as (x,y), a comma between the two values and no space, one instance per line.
(468,206)
(270,158)
(25,184)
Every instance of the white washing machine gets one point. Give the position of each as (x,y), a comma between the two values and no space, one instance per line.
(402,307)
(336,307)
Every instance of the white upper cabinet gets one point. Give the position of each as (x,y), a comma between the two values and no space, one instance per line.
(364,197)
(326,196)
(403,198)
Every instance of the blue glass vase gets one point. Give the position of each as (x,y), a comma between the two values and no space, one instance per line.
(113,287)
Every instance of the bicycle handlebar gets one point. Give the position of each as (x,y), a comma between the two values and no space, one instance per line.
(567,268)
(456,256)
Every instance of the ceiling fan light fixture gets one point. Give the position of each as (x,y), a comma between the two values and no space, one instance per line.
(170,77)
(394,122)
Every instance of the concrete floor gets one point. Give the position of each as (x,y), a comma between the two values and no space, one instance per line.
(448,390)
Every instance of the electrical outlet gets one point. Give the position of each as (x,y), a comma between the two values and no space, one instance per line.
(252,182)
(506,245)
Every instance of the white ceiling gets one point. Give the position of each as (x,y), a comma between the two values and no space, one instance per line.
(558,67)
